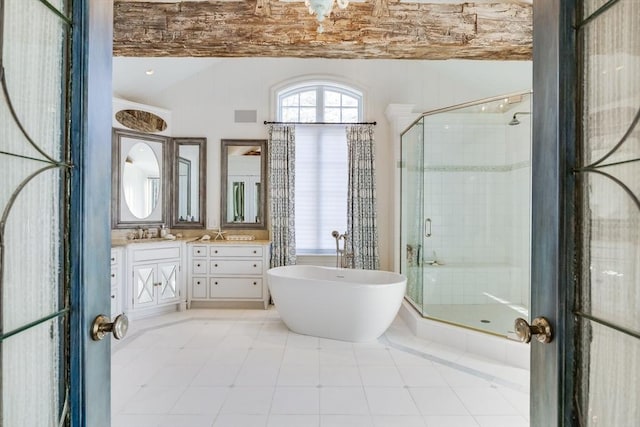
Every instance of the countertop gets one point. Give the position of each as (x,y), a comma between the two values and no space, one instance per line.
(194,240)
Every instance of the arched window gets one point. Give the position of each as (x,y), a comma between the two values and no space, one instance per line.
(318,103)
(321,159)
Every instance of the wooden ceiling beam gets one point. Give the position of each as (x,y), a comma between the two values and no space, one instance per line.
(271,28)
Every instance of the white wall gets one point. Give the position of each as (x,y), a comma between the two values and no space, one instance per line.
(203,105)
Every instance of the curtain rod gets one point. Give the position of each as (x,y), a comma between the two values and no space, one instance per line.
(319,123)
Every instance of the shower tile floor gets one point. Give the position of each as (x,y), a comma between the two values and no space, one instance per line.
(242,368)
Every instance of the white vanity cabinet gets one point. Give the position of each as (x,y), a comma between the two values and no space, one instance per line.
(228,272)
(156,280)
(117,262)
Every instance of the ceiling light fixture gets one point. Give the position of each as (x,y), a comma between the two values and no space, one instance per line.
(323,8)
(149,72)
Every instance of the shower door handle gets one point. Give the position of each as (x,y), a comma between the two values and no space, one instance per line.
(427,227)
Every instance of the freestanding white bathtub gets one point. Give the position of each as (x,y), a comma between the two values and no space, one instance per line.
(342,304)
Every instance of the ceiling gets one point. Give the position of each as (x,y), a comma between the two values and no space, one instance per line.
(131,82)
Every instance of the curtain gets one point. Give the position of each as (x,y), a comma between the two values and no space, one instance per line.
(281,194)
(361,198)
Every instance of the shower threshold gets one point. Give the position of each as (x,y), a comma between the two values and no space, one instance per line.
(493,318)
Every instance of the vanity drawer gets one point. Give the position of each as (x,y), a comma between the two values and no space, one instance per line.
(115,303)
(114,277)
(115,257)
(156,253)
(232,287)
(199,251)
(242,267)
(235,251)
(199,287)
(199,266)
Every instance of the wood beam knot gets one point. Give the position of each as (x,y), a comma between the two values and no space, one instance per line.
(263,8)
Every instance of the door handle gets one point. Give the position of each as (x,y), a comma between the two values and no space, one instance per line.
(102,325)
(540,328)
(427,227)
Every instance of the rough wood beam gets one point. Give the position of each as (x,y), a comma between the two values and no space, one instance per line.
(380,8)
(496,31)
(263,7)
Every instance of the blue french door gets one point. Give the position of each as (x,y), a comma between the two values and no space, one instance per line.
(55,65)
(586,213)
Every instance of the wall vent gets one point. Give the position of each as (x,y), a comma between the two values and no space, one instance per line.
(245,116)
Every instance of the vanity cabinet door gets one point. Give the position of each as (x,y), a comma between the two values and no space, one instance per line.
(144,285)
(168,283)
(156,283)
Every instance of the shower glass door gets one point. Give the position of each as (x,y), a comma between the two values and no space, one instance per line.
(466,213)
(412,212)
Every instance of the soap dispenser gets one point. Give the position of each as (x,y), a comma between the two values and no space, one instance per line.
(163,231)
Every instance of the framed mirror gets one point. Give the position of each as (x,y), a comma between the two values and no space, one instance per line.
(139,165)
(243,183)
(189,181)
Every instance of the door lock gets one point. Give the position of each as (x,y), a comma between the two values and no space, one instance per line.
(540,328)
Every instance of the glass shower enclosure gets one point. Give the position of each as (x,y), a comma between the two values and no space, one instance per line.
(466,213)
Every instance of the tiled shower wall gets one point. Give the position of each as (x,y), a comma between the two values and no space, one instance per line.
(477,195)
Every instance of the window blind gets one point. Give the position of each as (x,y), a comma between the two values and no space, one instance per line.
(321,187)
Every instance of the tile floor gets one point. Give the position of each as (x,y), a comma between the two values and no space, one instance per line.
(243,368)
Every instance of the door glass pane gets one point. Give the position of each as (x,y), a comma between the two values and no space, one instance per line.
(30,376)
(590,6)
(612,89)
(609,285)
(412,212)
(32,261)
(614,248)
(614,391)
(34,39)
(32,199)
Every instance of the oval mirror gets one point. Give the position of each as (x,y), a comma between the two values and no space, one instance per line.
(140,120)
(141,180)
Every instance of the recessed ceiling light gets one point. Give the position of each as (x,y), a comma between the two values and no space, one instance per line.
(149,72)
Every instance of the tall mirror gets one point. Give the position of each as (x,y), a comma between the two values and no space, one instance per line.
(189,180)
(138,179)
(243,179)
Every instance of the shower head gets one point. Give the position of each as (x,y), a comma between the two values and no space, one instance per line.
(514,121)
